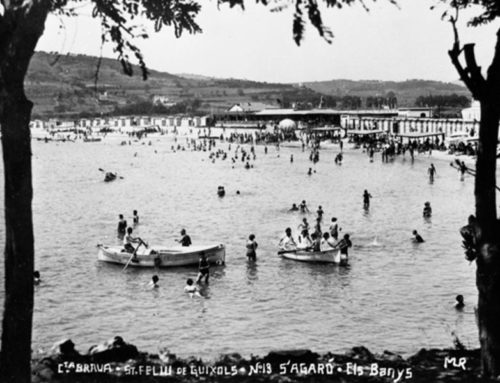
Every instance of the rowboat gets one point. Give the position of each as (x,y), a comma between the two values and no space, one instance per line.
(327,256)
(162,256)
(109,177)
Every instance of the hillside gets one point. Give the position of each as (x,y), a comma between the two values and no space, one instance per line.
(406,91)
(65,86)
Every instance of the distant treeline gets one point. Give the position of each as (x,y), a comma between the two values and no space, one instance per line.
(306,98)
(448,100)
(148,108)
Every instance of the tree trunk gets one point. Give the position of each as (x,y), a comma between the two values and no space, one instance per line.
(21,26)
(488,236)
(15,357)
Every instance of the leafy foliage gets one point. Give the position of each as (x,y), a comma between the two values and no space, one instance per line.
(117,21)
(451,100)
(490,9)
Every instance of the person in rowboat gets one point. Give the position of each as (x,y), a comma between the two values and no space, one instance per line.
(203,268)
(287,242)
(304,239)
(327,243)
(129,240)
(316,243)
(185,239)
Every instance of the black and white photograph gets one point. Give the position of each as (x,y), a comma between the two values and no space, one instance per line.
(249,191)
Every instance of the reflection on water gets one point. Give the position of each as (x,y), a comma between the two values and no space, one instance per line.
(393,295)
(252,272)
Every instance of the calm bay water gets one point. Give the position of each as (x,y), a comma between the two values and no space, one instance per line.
(395,295)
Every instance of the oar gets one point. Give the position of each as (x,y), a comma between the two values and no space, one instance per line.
(133,254)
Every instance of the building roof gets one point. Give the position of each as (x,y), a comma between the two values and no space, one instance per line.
(316,111)
(246,107)
(418,135)
(365,132)
(326,129)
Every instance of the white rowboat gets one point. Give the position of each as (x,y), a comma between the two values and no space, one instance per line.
(162,256)
(328,256)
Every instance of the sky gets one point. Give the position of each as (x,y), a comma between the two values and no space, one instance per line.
(388,43)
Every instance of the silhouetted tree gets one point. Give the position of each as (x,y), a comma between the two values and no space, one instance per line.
(21,25)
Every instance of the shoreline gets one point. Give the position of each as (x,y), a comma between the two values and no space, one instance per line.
(118,361)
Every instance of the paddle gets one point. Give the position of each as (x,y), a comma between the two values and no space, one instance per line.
(134,253)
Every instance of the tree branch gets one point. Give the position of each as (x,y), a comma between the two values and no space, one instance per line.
(471,74)
(494,70)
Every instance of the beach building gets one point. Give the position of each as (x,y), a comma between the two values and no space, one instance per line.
(473,113)
(415,112)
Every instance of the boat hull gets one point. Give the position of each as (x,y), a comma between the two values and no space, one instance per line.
(160,256)
(328,256)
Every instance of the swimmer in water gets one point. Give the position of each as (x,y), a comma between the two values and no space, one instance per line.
(344,244)
(304,225)
(294,207)
(427,213)
(366,199)
(251,248)
(153,284)
(122,225)
(459,305)
(203,269)
(417,237)
(36,277)
(320,212)
(432,172)
(136,218)
(191,288)
(303,207)
(334,229)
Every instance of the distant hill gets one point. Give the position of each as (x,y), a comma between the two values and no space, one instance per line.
(65,85)
(406,91)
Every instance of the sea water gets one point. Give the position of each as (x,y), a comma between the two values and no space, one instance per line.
(395,295)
